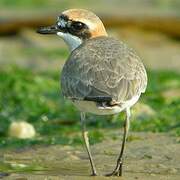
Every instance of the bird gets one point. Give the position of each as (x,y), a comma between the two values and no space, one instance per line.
(101,76)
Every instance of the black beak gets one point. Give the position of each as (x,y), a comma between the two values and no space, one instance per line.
(48,30)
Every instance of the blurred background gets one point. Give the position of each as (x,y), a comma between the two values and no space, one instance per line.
(32,109)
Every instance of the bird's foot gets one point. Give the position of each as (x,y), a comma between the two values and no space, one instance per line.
(94,174)
(117,171)
(114,173)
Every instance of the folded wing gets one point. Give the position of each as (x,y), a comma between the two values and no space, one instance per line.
(103,67)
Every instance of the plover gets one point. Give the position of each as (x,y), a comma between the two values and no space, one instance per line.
(102,75)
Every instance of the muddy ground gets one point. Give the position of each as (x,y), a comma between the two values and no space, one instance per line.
(148,156)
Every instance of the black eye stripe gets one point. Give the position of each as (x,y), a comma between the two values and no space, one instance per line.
(76,28)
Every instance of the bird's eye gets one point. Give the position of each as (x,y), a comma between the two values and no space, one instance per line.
(77,26)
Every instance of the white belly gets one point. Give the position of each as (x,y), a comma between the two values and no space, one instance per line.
(91,107)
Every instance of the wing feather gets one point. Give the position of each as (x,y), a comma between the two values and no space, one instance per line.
(103,67)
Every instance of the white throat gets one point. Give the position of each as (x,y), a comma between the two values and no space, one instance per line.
(72,41)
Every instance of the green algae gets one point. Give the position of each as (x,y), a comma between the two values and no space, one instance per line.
(35,97)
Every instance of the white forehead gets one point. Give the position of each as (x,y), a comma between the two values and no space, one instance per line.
(62,23)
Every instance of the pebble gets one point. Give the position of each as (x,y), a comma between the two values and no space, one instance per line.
(172,170)
(141,109)
(161,166)
(3,174)
(73,157)
(22,130)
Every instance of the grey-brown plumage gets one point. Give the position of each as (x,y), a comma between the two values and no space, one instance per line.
(101,76)
(103,67)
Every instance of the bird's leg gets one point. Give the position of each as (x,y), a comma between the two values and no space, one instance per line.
(118,169)
(86,140)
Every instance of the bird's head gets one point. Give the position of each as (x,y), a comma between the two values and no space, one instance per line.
(75,26)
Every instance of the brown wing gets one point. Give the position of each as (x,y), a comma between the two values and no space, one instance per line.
(103,67)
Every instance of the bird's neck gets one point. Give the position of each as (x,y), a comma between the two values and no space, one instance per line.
(72,41)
